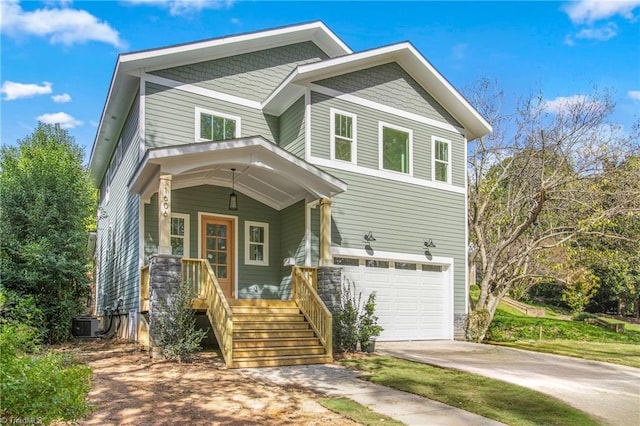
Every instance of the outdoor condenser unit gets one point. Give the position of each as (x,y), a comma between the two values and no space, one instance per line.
(86,327)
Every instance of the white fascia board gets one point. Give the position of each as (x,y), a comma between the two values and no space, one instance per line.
(236,45)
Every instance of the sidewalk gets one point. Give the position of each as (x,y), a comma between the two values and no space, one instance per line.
(334,380)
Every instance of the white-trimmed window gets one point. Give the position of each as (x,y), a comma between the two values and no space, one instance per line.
(256,243)
(441,160)
(395,148)
(180,234)
(216,126)
(343,135)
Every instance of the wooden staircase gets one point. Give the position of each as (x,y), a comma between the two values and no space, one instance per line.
(273,333)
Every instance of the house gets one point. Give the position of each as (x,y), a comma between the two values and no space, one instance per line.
(267,167)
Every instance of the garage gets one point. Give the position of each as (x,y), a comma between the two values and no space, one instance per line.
(414,301)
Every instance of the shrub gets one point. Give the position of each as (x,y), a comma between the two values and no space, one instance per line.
(345,320)
(42,388)
(368,327)
(583,316)
(178,336)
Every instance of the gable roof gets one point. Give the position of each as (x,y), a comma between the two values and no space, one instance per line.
(126,75)
(408,57)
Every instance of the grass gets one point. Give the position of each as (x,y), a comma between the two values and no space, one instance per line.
(615,353)
(504,402)
(511,328)
(356,412)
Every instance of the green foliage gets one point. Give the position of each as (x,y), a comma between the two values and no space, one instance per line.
(47,202)
(345,321)
(178,336)
(583,316)
(506,328)
(368,327)
(44,387)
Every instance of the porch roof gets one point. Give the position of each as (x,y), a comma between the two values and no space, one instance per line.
(264,171)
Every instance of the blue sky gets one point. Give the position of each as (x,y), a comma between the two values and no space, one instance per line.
(58,56)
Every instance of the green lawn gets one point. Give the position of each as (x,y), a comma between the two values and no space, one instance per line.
(616,353)
(627,326)
(358,413)
(504,402)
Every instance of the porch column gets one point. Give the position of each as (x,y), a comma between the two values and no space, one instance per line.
(325,232)
(164,214)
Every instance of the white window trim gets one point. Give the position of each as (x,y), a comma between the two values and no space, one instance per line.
(435,139)
(199,111)
(247,257)
(354,136)
(187,228)
(381,125)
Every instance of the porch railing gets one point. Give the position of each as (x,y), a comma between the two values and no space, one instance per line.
(145,278)
(207,287)
(313,308)
(311,274)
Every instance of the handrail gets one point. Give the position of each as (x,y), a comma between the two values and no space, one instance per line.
(145,280)
(219,312)
(312,306)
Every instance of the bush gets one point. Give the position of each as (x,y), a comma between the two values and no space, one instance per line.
(43,388)
(368,327)
(178,336)
(583,316)
(345,320)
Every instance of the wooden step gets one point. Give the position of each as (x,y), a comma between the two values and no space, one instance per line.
(278,342)
(274,361)
(277,351)
(267,318)
(265,334)
(270,325)
(261,302)
(265,310)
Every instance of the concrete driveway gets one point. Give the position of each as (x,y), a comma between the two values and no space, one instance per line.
(607,391)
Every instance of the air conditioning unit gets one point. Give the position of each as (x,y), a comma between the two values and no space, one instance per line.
(85,327)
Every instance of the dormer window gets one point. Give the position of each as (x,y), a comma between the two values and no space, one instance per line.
(216,126)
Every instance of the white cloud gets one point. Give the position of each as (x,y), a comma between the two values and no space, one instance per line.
(459,51)
(61,25)
(589,11)
(183,7)
(13,90)
(65,120)
(61,99)
(602,34)
(235,21)
(563,103)
(93,123)
(634,94)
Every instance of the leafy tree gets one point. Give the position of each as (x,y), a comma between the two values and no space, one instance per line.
(537,184)
(47,202)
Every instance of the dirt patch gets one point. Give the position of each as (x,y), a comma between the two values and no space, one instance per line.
(131,389)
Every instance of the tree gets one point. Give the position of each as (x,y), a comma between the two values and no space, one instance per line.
(47,203)
(536,184)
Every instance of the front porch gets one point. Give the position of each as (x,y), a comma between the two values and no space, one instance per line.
(250,332)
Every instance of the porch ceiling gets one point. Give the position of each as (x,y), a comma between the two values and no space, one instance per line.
(264,171)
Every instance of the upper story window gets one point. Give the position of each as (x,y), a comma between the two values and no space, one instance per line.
(395,144)
(441,165)
(256,243)
(180,234)
(343,136)
(216,126)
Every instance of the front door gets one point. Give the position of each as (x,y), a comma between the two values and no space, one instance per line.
(218,248)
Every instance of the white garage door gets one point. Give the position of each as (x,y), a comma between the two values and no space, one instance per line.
(410,304)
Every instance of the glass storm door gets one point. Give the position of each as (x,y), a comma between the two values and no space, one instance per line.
(218,248)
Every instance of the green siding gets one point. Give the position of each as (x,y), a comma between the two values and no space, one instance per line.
(214,200)
(292,128)
(401,218)
(170,116)
(117,241)
(251,75)
(367,137)
(391,85)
